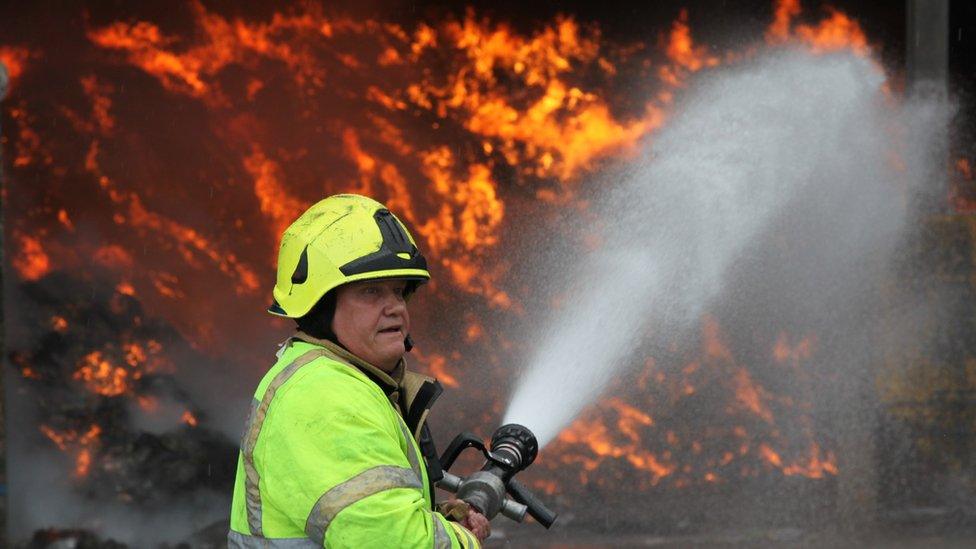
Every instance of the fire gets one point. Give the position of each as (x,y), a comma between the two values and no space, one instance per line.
(474,331)
(784,353)
(602,442)
(276,202)
(714,346)
(15,59)
(189,419)
(437,367)
(65,220)
(32,262)
(98,94)
(618,430)
(101,376)
(81,445)
(148,403)
(962,194)
(686,57)
(190,243)
(815,467)
(114,256)
(750,395)
(463,127)
(563,131)
(468,217)
(962,166)
(59,323)
(836,32)
(784,13)
(560,134)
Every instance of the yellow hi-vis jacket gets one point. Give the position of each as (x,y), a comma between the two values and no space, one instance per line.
(327,461)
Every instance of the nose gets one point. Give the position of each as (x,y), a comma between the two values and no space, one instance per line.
(395,304)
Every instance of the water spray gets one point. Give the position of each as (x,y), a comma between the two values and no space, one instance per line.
(493,489)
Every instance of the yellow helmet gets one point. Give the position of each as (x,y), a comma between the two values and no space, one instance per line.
(341,239)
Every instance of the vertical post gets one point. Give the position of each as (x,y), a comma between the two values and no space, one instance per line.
(4,84)
(927,64)
(928,46)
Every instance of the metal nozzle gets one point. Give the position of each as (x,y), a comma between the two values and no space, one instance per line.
(516,445)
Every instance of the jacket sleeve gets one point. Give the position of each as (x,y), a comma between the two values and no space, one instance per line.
(336,468)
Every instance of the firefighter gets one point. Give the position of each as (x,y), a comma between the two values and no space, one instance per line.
(336,450)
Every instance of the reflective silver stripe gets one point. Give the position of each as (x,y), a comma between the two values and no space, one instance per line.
(252,494)
(441,539)
(465,537)
(472,541)
(237,540)
(340,496)
(412,456)
(259,410)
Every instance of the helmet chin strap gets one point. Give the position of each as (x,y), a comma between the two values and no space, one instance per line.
(408,343)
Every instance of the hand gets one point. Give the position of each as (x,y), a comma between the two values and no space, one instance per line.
(477,523)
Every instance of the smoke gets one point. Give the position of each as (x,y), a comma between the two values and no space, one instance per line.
(148,476)
(44,494)
(790,154)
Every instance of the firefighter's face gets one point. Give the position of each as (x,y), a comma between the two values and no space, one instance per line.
(371,320)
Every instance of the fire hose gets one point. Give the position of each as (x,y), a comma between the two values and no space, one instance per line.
(493,489)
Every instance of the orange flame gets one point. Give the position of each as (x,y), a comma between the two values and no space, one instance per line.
(750,395)
(65,220)
(148,403)
(962,166)
(687,57)
(190,243)
(189,419)
(782,352)
(779,31)
(97,93)
(15,59)
(437,367)
(101,376)
(597,437)
(32,262)
(58,323)
(114,256)
(125,288)
(814,467)
(81,445)
(836,32)
(274,199)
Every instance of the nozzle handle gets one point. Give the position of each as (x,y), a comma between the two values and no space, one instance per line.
(538,510)
(510,508)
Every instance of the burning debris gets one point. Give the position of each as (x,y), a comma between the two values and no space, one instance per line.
(96,369)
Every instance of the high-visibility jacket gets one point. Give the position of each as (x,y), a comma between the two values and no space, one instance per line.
(327,460)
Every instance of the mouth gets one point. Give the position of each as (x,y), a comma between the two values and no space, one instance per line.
(391,330)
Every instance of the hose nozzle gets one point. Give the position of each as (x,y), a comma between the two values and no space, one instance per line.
(515,447)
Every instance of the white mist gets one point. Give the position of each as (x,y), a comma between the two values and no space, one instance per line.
(746,141)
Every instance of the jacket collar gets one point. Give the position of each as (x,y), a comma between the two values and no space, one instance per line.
(388,381)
